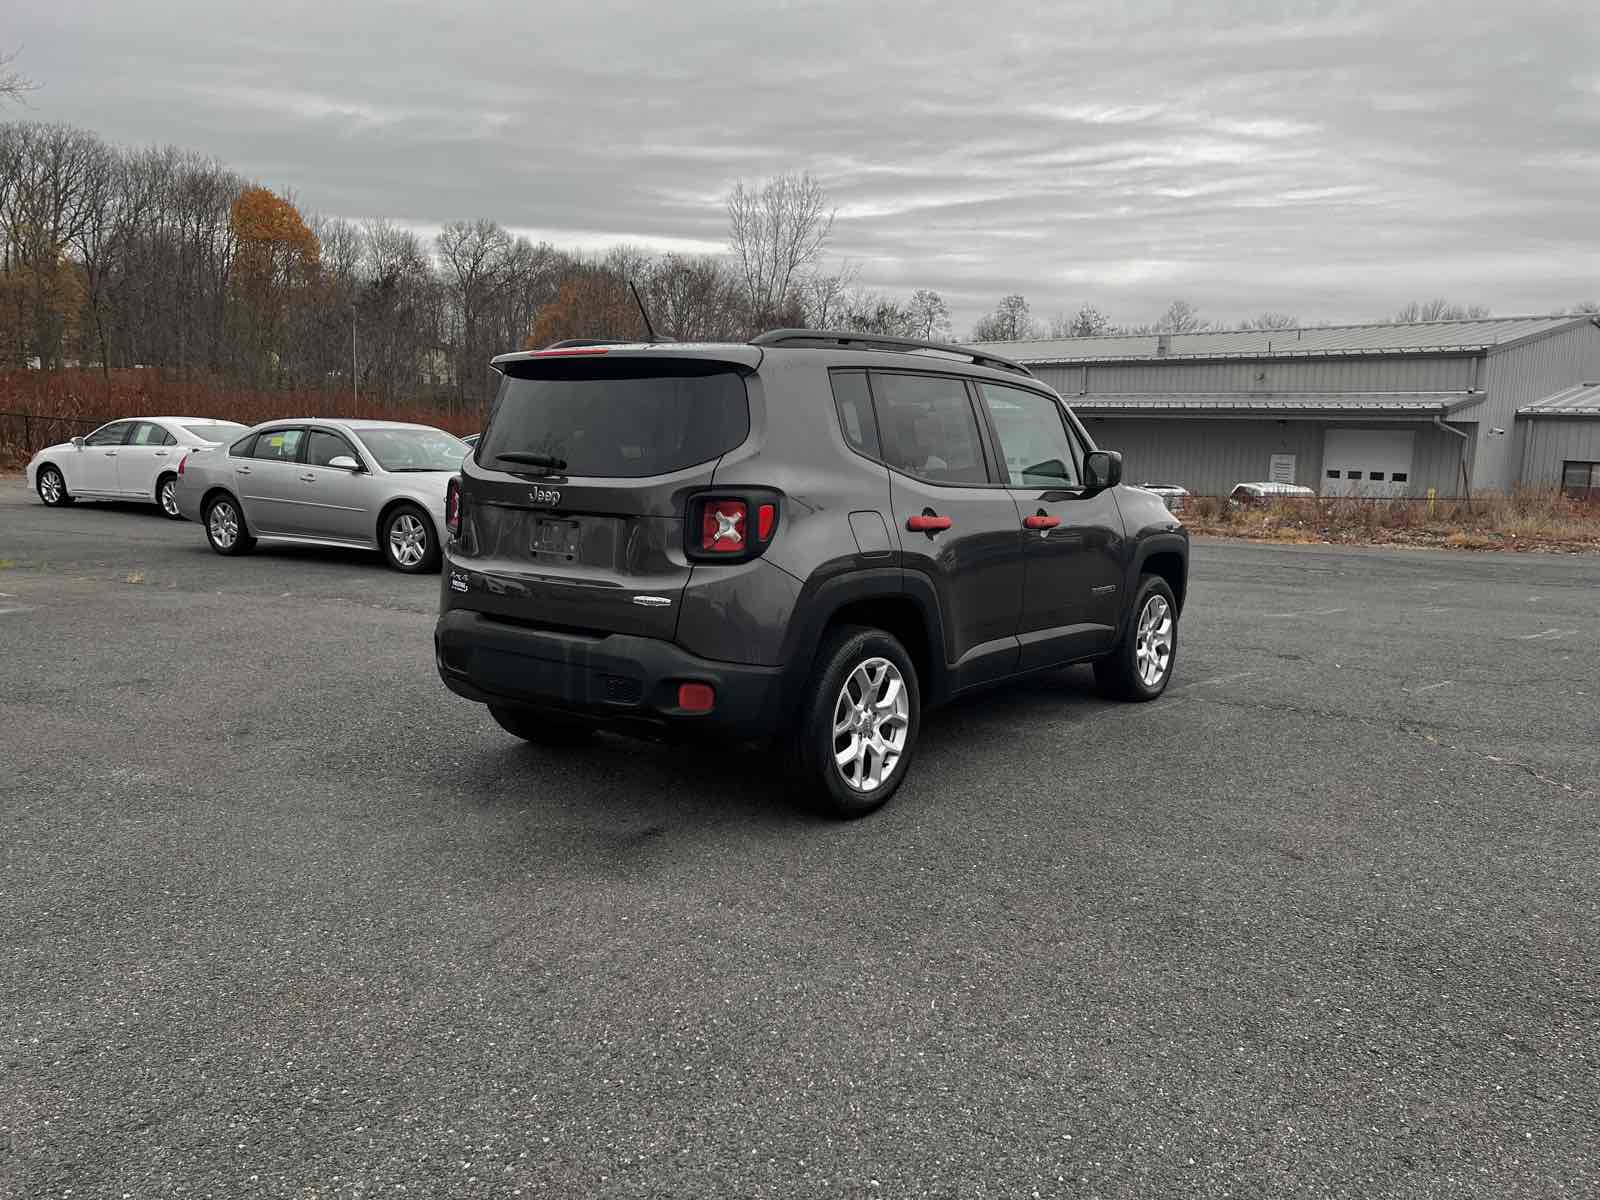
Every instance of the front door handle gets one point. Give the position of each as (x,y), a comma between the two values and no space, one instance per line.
(242,470)
(161,453)
(308,477)
(1041,521)
(928,522)
(111,453)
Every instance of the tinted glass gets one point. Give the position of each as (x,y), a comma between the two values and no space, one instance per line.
(219,431)
(620,419)
(147,434)
(322,447)
(241,448)
(854,403)
(109,435)
(414,449)
(278,445)
(928,428)
(1034,442)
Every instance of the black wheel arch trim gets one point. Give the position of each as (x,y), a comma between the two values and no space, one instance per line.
(1146,548)
(821,600)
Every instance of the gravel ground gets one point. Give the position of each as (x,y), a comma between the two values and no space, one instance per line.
(279,916)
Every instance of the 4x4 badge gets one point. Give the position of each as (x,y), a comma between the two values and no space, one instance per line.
(652,601)
(541,495)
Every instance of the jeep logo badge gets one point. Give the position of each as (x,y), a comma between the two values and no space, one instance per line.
(551,496)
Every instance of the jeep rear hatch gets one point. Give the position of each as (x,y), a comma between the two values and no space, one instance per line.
(573,502)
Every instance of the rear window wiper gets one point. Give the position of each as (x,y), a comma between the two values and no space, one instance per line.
(549,461)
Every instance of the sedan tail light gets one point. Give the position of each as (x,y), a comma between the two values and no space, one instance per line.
(731,526)
(182,462)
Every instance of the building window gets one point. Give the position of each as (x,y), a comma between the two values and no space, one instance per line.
(1581,480)
(1399,477)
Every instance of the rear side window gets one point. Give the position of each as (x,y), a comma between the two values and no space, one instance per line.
(854,403)
(278,445)
(622,419)
(928,427)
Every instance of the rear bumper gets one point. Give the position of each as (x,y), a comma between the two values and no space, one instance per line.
(629,683)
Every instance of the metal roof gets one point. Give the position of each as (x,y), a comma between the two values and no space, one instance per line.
(1580,400)
(1420,337)
(1270,402)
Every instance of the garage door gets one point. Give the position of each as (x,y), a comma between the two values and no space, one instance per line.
(1366,462)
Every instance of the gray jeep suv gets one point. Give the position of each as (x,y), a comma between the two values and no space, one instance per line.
(806,539)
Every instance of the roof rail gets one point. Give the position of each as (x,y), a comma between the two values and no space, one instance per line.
(823,338)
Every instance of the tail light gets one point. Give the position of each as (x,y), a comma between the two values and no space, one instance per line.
(452,505)
(732,526)
(182,462)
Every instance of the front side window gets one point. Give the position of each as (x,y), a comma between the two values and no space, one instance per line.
(928,428)
(1038,450)
(400,449)
(322,447)
(278,445)
(109,435)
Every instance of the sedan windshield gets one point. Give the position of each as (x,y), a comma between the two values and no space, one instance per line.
(217,431)
(414,449)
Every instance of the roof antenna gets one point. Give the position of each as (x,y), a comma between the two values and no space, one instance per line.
(648,328)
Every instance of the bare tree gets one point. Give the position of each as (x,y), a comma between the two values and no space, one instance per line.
(1440,309)
(1271,320)
(474,255)
(1088,321)
(1181,317)
(776,232)
(13,83)
(1011,321)
(930,315)
(692,299)
(1585,306)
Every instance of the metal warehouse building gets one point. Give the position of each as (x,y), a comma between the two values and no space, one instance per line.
(1377,410)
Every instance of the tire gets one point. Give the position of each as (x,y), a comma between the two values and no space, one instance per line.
(1128,674)
(408,540)
(167,496)
(51,485)
(542,729)
(225,527)
(851,694)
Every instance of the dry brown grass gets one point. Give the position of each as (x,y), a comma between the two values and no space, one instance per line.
(1527,519)
(60,404)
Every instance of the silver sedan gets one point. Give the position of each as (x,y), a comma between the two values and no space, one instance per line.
(378,485)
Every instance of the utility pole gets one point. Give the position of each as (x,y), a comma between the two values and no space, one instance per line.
(355,377)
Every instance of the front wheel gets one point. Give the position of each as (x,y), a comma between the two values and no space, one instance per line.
(225,527)
(52,487)
(858,727)
(409,542)
(1140,667)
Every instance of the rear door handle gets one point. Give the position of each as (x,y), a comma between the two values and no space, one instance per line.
(308,477)
(161,453)
(1041,521)
(111,453)
(242,470)
(927,522)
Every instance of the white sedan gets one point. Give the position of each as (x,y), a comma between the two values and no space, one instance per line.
(136,459)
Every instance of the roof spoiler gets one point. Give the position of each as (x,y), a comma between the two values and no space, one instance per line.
(838,339)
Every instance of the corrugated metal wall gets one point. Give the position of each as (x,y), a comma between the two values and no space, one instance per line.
(1443,374)
(1519,376)
(1548,442)
(1209,456)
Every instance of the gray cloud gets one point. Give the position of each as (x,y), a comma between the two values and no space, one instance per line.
(1332,160)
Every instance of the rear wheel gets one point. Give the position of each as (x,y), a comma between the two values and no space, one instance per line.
(52,487)
(225,527)
(1141,666)
(858,726)
(167,496)
(409,542)
(541,728)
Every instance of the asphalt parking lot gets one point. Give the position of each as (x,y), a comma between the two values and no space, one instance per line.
(280,916)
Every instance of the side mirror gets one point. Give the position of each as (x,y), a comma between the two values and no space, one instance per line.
(344,462)
(78,442)
(1102,468)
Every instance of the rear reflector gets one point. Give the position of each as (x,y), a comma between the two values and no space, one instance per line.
(722,526)
(696,697)
(766,518)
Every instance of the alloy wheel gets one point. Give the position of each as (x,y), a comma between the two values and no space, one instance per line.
(223,524)
(871,720)
(408,540)
(169,498)
(1153,641)
(50,486)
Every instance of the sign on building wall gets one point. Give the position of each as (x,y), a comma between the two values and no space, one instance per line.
(1282,468)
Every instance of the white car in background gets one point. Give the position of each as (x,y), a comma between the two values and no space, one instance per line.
(1248,495)
(134,459)
(1174,495)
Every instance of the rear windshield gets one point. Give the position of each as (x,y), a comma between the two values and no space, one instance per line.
(622,419)
(220,431)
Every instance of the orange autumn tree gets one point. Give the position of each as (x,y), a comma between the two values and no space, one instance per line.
(277,261)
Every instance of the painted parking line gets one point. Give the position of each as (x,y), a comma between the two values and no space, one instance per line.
(1308,612)
(16,608)
(1549,635)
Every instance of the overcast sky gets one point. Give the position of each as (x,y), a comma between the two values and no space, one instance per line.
(1329,160)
